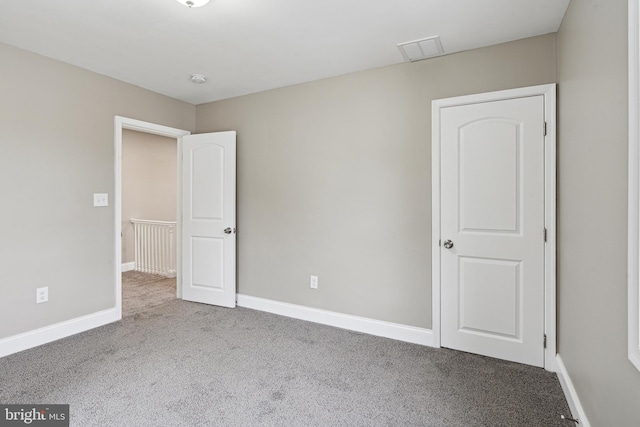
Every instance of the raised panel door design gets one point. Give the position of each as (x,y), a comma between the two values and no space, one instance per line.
(209,208)
(492,210)
(207,182)
(207,262)
(490,194)
(490,283)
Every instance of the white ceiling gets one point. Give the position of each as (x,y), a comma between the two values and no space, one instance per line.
(247,46)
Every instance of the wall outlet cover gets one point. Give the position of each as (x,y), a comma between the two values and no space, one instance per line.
(42,295)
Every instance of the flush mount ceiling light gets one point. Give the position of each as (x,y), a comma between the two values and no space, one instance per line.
(193,3)
(198,78)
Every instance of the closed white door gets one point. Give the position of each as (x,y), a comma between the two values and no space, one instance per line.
(209,218)
(492,229)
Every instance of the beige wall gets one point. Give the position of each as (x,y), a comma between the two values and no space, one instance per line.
(149,179)
(57,125)
(592,211)
(334,178)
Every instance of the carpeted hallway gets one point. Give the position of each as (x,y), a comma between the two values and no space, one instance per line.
(178,363)
(141,291)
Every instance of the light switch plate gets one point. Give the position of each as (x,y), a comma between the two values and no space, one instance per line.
(100,199)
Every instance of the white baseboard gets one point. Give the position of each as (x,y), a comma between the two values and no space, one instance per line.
(128,266)
(569,390)
(379,328)
(57,331)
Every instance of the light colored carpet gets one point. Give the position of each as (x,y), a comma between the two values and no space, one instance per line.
(141,291)
(187,364)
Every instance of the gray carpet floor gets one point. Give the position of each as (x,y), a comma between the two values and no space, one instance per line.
(185,364)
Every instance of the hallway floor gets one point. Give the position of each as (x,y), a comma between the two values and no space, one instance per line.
(141,291)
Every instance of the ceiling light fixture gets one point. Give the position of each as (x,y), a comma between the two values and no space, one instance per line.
(198,78)
(193,3)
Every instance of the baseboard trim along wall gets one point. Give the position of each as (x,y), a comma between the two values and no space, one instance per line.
(128,266)
(27,340)
(570,393)
(379,328)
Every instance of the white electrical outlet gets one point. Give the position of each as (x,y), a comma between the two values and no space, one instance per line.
(314,282)
(42,295)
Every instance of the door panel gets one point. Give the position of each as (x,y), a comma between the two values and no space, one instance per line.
(209,208)
(207,262)
(491,283)
(492,209)
(207,192)
(489,202)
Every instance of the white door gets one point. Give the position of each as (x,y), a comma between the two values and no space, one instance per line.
(209,218)
(492,229)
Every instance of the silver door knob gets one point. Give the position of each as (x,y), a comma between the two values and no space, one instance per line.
(448,244)
(227,230)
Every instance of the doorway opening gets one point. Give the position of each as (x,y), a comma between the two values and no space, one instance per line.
(149,212)
(151,153)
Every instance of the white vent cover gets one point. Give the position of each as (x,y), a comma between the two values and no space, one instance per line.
(421,49)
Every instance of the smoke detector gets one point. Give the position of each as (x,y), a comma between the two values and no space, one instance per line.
(198,78)
(193,3)
(418,50)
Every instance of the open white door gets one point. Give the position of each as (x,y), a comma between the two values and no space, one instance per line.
(209,218)
(492,228)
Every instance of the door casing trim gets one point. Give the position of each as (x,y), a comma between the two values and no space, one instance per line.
(633,244)
(548,91)
(121,123)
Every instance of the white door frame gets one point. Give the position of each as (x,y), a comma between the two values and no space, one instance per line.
(633,261)
(549,93)
(146,127)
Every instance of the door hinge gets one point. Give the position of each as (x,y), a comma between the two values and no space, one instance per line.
(545,235)
(545,128)
(544,341)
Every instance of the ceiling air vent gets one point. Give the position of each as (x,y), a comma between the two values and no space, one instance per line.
(421,49)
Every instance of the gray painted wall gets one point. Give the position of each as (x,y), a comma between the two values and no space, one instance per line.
(592,210)
(149,181)
(334,178)
(57,139)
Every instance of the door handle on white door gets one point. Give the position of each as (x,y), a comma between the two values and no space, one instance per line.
(448,244)
(227,230)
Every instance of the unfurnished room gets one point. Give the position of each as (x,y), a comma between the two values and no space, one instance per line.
(336,213)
